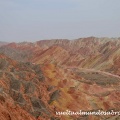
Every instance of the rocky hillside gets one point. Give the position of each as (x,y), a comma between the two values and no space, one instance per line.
(90,53)
(24,91)
(39,79)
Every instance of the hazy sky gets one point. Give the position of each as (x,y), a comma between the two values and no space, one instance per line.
(32,20)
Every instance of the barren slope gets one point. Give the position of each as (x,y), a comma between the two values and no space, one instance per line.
(58,75)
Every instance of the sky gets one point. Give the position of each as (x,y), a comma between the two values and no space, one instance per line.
(33,20)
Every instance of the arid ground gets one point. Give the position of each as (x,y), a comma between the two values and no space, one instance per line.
(41,78)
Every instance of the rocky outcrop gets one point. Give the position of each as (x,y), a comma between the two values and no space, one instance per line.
(23,89)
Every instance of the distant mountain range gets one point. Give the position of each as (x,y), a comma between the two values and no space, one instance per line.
(91,53)
(3,43)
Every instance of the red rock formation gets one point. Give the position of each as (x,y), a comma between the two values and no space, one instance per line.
(59,75)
